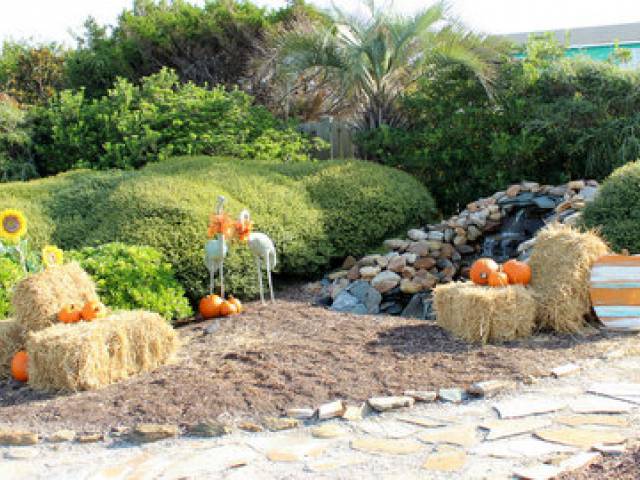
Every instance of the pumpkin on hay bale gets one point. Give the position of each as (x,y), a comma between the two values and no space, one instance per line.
(11,342)
(560,265)
(487,315)
(89,355)
(38,299)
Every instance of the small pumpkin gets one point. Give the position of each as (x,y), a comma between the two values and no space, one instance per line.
(20,366)
(482,269)
(498,279)
(210,306)
(518,272)
(70,314)
(93,310)
(238,304)
(227,308)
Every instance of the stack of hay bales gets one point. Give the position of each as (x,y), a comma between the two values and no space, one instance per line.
(90,355)
(476,313)
(83,355)
(557,298)
(560,269)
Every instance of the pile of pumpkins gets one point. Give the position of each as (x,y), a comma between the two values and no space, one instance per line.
(485,271)
(213,306)
(90,311)
(68,314)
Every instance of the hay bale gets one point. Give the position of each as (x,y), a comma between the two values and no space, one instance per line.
(11,342)
(38,298)
(89,355)
(561,264)
(484,314)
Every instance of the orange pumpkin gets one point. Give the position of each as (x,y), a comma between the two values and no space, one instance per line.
(498,279)
(210,306)
(518,272)
(482,269)
(227,308)
(92,310)
(69,314)
(237,303)
(20,366)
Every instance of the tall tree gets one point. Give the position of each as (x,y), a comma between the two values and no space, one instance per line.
(362,64)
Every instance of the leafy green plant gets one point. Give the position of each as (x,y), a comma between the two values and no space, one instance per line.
(10,274)
(134,125)
(616,209)
(15,142)
(134,277)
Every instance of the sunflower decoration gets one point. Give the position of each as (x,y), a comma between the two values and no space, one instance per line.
(13,225)
(52,256)
(220,223)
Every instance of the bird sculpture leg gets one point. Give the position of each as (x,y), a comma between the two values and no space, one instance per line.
(269,278)
(212,280)
(222,278)
(259,263)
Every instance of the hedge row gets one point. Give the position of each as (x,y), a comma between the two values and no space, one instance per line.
(316,212)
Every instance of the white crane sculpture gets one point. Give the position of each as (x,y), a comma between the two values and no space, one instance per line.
(262,248)
(216,250)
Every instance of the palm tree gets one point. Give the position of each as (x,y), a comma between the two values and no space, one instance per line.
(362,65)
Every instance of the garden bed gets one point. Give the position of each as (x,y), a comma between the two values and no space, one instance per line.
(291,354)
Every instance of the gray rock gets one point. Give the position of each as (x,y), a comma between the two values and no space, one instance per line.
(452,395)
(416,234)
(416,307)
(589,193)
(437,236)
(344,302)
(385,281)
(366,295)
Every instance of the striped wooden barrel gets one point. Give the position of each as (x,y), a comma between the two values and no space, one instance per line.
(615,291)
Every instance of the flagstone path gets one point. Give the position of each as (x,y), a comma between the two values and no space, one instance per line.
(536,431)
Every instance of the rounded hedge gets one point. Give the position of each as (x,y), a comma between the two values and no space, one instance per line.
(316,212)
(616,209)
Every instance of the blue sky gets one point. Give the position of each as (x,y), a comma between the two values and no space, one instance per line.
(46,20)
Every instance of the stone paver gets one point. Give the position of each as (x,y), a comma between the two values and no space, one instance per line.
(512,434)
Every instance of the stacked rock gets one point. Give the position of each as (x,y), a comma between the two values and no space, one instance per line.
(501,226)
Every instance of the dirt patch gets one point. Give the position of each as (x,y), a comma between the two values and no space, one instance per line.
(291,354)
(625,467)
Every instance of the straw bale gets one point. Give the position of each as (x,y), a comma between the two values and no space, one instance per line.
(561,264)
(89,355)
(38,298)
(11,342)
(484,314)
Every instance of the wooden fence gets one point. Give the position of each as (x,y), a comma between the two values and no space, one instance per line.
(338,134)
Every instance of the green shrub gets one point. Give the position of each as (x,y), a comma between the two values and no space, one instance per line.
(135,125)
(616,209)
(134,277)
(316,212)
(15,142)
(548,122)
(10,274)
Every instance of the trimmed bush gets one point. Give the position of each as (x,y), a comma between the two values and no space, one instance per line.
(316,212)
(616,209)
(134,278)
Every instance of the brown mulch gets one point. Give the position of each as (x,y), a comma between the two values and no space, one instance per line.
(290,354)
(624,467)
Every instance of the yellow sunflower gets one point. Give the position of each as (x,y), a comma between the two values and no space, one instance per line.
(52,255)
(13,225)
